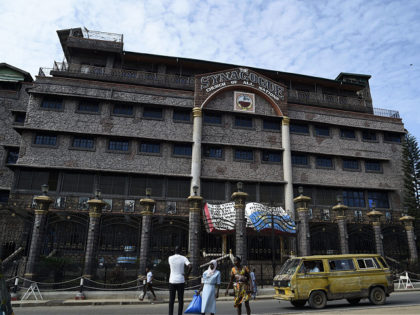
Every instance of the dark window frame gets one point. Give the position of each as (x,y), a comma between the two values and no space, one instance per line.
(368,169)
(215,149)
(54,103)
(321,162)
(88,107)
(375,195)
(211,118)
(392,137)
(271,125)
(109,149)
(367,136)
(266,156)
(83,143)
(318,129)
(354,198)
(17,115)
(350,160)
(148,112)
(183,114)
(122,110)
(296,157)
(345,134)
(184,150)
(240,155)
(299,128)
(12,155)
(239,121)
(43,138)
(149,148)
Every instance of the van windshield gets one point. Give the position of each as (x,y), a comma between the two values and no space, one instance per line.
(289,267)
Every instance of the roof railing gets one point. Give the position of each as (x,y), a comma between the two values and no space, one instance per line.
(96,35)
(386,112)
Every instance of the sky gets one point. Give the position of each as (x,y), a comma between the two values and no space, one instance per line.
(313,37)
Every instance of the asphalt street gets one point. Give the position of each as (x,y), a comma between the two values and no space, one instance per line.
(395,303)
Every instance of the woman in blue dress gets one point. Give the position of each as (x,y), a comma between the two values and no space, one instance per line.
(210,283)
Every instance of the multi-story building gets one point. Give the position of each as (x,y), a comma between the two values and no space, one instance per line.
(123,121)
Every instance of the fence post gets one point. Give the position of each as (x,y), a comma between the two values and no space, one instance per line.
(80,295)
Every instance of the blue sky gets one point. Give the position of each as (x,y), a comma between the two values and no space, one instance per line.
(320,38)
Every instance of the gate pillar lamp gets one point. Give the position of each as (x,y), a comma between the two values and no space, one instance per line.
(195,203)
(147,206)
(411,238)
(239,198)
(302,203)
(43,203)
(340,211)
(375,217)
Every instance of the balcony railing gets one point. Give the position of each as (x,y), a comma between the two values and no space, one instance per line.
(386,113)
(96,35)
(119,75)
(312,98)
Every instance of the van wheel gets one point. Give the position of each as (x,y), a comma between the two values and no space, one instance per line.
(354,301)
(317,299)
(298,303)
(377,296)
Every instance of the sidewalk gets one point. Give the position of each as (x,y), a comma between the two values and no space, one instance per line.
(128,298)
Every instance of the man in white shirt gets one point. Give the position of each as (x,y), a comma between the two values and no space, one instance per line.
(147,284)
(177,279)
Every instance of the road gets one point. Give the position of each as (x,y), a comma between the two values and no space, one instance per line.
(396,303)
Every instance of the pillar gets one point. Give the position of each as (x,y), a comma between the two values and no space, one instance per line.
(304,244)
(196,150)
(147,205)
(409,228)
(287,167)
(340,210)
(239,198)
(42,205)
(375,217)
(95,211)
(195,204)
(224,244)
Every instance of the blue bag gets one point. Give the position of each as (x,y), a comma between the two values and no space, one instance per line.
(195,305)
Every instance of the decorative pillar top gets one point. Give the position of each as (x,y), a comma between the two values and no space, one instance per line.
(95,207)
(147,205)
(407,220)
(239,197)
(374,215)
(43,203)
(301,201)
(285,121)
(195,203)
(340,209)
(197,112)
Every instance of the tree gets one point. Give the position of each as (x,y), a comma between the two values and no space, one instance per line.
(411,169)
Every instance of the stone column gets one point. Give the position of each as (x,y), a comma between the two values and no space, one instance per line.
(409,228)
(224,244)
(375,217)
(147,205)
(287,167)
(195,203)
(95,211)
(304,243)
(196,150)
(340,210)
(42,205)
(239,198)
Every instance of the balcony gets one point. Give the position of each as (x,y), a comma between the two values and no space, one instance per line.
(119,75)
(83,38)
(386,113)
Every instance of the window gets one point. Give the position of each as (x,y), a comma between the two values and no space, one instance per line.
(249,188)
(326,196)
(299,128)
(149,147)
(152,112)
(392,137)
(312,266)
(348,134)
(178,187)
(213,190)
(322,131)
(244,155)
(118,145)
(324,161)
(212,118)
(33,180)
(52,103)
(78,182)
(379,197)
(369,135)
(213,152)
(182,115)
(182,149)
(4,196)
(42,139)
(271,193)
(373,166)
(112,184)
(12,155)
(243,122)
(354,198)
(271,124)
(88,106)
(350,164)
(19,117)
(367,263)
(299,159)
(123,109)
(341,264)
(138,185)
(83,142)
(271,156)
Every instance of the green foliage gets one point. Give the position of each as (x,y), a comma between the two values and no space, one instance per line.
(411,169)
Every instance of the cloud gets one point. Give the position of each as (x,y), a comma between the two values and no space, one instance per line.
(320,38)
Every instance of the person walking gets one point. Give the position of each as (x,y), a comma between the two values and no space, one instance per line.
(177,279)
(242,286)
(147,284)
(254,283)
(5,300)
(210,284)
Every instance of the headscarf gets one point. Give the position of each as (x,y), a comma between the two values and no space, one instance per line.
(210,271)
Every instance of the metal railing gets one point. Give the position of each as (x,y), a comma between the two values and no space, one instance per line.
(386,113)
(96,35)
(323,99)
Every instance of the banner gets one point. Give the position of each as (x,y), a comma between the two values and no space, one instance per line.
(221,217)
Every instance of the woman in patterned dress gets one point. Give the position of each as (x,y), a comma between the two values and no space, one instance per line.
(242,286)
(210,283)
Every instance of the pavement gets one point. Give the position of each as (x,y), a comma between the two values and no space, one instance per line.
(67,298)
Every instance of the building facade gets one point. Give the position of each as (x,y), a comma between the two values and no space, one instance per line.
(121,122)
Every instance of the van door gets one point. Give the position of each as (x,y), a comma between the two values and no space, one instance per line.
(311,276)
(343,279)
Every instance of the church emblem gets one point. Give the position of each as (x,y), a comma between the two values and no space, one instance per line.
(244,102)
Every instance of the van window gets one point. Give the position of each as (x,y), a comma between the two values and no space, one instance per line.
(383,262)
(341,264)
(312,266)
(366,263)
(289,266)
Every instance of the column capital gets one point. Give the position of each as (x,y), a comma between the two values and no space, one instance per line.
(197,112)
(239,198)
(195,203)
(285,121)
(147,205)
